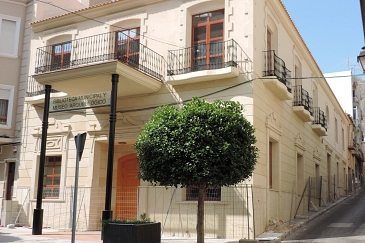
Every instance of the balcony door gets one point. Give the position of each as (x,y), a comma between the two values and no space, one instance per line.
(61,56)
(127,46)
(208,46)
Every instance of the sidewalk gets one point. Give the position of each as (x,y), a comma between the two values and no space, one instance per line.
(24,235)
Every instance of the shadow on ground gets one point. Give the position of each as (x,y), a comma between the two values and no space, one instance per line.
(5,237)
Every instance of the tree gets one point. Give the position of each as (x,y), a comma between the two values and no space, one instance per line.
(200,144)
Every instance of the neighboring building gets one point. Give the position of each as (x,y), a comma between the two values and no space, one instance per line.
(166,52)
(15,17)
(12,18)
(346,89)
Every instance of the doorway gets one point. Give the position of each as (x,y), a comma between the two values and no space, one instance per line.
(10,180)
(127,187)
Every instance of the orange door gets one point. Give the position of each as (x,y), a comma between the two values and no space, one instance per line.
(127,187)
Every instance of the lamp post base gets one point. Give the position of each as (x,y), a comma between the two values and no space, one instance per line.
(107,214)
(37,221)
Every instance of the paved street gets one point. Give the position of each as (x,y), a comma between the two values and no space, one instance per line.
(342,223)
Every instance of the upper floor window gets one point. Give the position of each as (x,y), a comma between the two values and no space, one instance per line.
(6,104)
(336,130)
(127,46)
(208,40)
(9,35)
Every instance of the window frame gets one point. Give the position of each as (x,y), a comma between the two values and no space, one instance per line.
(129,54)
(207,198)
(53,175)
(208,39)
(9,114)
(62,55)
(17,20)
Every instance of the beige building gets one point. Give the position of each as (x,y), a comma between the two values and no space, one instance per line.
(166,52)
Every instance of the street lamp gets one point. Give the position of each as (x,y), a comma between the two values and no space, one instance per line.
(361,59)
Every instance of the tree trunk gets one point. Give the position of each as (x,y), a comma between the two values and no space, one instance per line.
(200,224)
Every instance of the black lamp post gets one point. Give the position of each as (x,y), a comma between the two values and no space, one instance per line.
(361,59)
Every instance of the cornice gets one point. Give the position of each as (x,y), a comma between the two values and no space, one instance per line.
(55,127)
(316,154)
(273,124)
(19,2)
(89,13)
(329,150)
(299,142)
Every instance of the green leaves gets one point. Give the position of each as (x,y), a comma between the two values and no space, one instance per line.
(203,143)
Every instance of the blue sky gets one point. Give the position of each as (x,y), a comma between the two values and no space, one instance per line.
(332,31)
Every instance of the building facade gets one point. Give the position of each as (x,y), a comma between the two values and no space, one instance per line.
(12,19)
(346,88)
(246,51)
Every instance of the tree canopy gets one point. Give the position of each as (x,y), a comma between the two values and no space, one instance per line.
(200,143)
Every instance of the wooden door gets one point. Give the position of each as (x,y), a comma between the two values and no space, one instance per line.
(127,187)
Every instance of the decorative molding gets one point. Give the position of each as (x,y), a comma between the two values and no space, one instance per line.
(299,142)
(329,150)
(316,154)
(273,124)
(54,143)
(93,12)
(125,14)
(337,157)
(60,29)
(55,127)
(122,122)
(56,133)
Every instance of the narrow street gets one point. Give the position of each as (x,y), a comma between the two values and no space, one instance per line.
(343,223)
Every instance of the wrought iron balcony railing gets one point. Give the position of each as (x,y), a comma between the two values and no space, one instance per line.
(208,56)
(34,88)
(274,66)
(301,98)
(100,48)
(352,142)
(360,153)
(319,117)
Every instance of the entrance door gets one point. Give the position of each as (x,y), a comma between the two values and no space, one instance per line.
(127,187)
(10,180)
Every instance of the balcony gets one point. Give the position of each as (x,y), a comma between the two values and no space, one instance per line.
(205,62)
(352,143)
(319,125)
(302,104)
(85,65)
(279,84)
(357,152)
(35,92)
